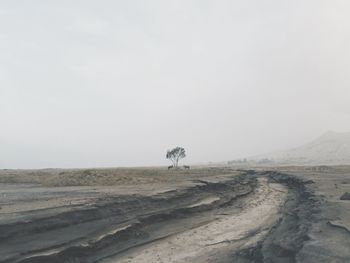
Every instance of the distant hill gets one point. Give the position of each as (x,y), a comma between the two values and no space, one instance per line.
(331,148)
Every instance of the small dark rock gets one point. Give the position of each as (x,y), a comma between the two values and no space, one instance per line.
(345,196)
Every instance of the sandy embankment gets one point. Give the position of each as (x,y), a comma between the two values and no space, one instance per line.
(84,224)
(240,216)
(233,231)
(197,219)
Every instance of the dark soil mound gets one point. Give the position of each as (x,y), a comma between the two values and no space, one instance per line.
(345,196)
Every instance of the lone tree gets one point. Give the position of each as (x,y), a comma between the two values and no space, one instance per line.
(175,155)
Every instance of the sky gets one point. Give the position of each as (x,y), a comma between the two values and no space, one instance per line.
(117,83)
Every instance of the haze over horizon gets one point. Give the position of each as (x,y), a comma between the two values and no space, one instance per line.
(117,83)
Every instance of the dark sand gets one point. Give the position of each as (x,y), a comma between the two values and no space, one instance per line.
(205,215)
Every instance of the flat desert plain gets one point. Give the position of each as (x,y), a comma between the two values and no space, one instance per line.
(206,214)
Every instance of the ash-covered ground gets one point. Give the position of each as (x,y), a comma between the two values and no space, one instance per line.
(286,214)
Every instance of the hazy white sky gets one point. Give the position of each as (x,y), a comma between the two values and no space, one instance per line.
(117,83)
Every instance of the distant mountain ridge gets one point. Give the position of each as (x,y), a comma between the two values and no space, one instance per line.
(332,148)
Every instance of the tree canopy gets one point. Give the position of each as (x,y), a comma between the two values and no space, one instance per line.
(175,155)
